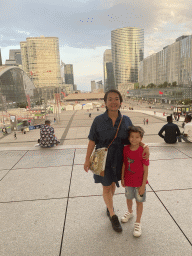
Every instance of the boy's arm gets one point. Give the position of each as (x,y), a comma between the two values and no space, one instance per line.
(145,176)
(122,175)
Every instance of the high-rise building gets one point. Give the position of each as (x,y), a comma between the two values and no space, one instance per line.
(41,61)
(127,45)
(14,58)
(172,64)
(109,82)
(68,70)
(93,86)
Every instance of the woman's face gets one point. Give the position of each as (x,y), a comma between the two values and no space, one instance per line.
(113,102)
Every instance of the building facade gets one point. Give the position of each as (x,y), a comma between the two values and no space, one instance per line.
(172,64)
(15,84)
(68,72)
(109,82)
(93,86)
(41,61)
(14,58)
(127,45)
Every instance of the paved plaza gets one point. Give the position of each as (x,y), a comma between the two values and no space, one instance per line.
(50,206)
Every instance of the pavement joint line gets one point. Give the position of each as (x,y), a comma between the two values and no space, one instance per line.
(84,196)
(13,166)
(183,152)
(67,128)
(63,233)
(171,216)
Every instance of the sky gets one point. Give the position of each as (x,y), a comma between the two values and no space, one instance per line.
(84,28)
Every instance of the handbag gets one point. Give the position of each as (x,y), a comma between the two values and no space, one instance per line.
(99,157)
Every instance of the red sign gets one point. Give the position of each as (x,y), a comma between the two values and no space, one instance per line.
(160,92)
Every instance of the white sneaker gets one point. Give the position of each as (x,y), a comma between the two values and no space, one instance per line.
(127,216)
(137,229)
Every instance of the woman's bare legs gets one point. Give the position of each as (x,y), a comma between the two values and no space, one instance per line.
(108,192)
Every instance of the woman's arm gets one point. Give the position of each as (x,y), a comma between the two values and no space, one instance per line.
(146,153)
(122,175)
(90,149)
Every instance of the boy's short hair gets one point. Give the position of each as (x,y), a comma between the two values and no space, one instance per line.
(47,122)
(138,129)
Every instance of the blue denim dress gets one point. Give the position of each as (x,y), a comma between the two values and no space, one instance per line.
(102,133)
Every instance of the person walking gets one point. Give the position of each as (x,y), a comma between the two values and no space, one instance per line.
(144,121)
(147,121)
(102,132)
(187,133)
(134,176)
(170,130)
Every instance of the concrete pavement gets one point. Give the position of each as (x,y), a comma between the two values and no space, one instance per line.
(50,206)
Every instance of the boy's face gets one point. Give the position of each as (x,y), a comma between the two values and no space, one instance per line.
(135,138)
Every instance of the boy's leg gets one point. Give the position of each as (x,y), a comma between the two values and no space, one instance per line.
(139,211)
(130,205)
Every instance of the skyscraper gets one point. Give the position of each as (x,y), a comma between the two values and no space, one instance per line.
(93,86)
(14,58)
(41,61)
(68,70)
(109,82)
(127,45)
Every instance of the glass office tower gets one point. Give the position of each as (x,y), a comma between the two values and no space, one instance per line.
(109,82)
(127,46)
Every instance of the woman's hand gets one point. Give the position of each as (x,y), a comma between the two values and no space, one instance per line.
(146,153)
(86,165)
(122,183)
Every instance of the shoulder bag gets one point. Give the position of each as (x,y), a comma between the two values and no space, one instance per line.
(99,156)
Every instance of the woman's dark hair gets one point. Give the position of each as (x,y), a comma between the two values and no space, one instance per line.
(136,129)
(115,91)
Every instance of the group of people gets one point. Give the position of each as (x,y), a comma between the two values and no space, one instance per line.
(128,164)
(171,134)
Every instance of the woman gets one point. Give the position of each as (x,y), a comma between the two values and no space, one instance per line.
(102,132)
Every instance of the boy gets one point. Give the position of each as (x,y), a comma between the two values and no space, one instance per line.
(134,176)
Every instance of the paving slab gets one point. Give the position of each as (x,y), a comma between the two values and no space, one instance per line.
(157,153)
(45,157)
(3,173)
(31,228)
(174,174)
(38,183)
(179,205)
(10,158)
(83,184)
(88,230)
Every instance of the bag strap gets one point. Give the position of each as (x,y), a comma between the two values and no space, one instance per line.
(116,132)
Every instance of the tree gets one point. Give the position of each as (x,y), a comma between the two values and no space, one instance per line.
(174,84)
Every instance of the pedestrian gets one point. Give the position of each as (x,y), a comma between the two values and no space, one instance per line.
(147,121)
(144,121)
(89,114)
(134,176)
(170,130)
(187,134)
(15,135)
(54,119)
(101,134)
